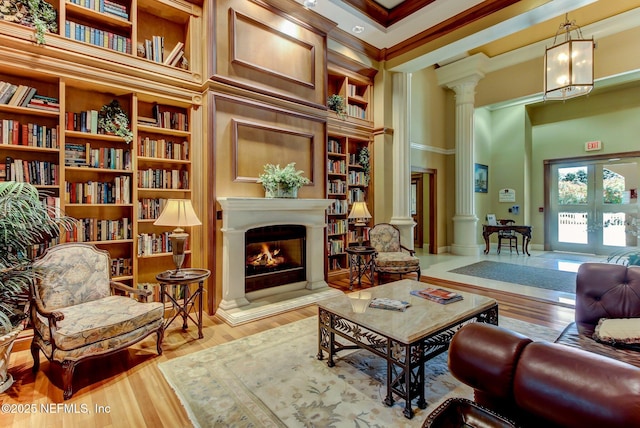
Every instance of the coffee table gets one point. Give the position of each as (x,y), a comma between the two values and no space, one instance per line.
(406,340)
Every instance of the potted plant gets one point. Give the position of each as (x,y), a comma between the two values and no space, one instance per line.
(32,13)
(24,222)
(112,119)
(363,160)
(282,182)
(336,103)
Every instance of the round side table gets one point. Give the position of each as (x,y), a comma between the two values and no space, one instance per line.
(361,263)
(184,301)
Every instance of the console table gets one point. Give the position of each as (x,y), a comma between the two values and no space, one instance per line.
(525,231)
(187,302)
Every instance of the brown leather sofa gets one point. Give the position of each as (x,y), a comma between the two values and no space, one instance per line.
(541,384)
(604,291)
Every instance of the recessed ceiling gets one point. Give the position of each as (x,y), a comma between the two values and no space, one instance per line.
(449,29)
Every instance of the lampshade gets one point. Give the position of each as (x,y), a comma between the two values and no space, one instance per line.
(178,213)
(359,212)
(568,65)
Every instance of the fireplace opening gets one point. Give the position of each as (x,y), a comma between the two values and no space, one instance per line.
(274,255)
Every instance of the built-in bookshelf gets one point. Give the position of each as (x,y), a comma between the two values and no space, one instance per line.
(163,172)
(356,91)
(347,182)
(348,145)
(113,188)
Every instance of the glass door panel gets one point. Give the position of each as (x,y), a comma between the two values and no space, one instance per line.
(594,206)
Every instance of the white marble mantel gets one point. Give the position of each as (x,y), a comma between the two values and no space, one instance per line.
(241,214)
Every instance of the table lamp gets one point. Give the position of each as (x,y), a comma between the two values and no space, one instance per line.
(178,213)
(360,213)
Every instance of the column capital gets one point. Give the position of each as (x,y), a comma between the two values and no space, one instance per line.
(461,73)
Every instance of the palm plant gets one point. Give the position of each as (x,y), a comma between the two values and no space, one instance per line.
(24,222)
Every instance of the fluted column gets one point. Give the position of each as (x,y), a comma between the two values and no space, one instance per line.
(462,77)
(401,217)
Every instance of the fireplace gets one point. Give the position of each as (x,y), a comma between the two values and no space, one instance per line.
(244,220)
(274,255)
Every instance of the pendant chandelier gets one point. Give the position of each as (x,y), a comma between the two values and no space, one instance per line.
(568,64)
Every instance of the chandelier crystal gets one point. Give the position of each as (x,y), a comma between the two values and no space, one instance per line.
(568,64)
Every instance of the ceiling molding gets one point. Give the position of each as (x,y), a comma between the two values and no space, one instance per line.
(384,16)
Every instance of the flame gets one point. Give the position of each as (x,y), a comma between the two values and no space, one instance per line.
(266,257)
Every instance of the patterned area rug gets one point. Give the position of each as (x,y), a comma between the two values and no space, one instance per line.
(273,379)
(549,279)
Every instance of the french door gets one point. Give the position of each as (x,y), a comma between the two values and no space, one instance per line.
(594,205)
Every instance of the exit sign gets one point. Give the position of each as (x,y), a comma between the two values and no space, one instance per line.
(590,146)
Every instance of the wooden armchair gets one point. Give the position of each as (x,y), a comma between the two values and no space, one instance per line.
(391,256)
(74,315)
(507,235)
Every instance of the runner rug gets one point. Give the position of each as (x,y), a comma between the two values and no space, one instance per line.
(549,279)
(273,379)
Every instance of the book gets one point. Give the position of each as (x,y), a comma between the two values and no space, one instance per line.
(177,48)
(438,295)
(390,304)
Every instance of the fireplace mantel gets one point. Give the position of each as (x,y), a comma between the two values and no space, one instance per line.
(242,214)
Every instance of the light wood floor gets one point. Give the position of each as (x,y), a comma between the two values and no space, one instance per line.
(130,390)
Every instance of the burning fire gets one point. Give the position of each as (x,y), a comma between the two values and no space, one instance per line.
(266,257)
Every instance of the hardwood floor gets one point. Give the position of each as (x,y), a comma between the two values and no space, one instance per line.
(128,390)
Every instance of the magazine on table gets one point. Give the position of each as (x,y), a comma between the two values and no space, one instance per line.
(439,295)
(391,304)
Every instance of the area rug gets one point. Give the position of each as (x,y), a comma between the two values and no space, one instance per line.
(549,279)
(273,379)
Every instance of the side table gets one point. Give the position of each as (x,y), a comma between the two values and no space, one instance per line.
(361,263)
(188,301)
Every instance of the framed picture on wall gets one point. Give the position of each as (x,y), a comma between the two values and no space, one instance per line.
(481,178)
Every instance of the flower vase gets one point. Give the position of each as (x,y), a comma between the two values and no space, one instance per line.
(281,192)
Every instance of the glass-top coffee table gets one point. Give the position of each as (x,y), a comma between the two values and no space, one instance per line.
(406,340)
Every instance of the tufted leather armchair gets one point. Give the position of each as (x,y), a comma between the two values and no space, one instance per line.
(603,290)
(74,315)
(391,256)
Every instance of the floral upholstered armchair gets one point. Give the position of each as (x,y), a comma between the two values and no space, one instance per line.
(392,257)
(76,317)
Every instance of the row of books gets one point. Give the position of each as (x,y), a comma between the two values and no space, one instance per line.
(339,207)
(357,178)
(335,246)
(83,121)
(163,179)
(438,295)
(356,111)
(93,192)
(170,119)
(162,148)
(153,243)
(337,227)
(356,195)
(154,49)
(150,208)
(28,134)
(176,55)
(337,166)
(352,90)
(352,236)
(104,6)
(97,37)
(101,157)
(334,146)
(94,230)
(337,187)
(121,266)
(38,173)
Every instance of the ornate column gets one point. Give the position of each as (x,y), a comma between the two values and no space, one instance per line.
(401,217)
(462,77)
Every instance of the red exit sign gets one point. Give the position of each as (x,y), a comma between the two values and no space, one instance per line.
(592,145)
